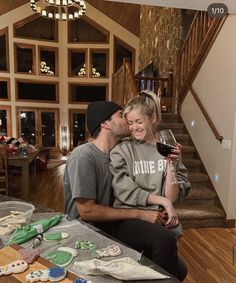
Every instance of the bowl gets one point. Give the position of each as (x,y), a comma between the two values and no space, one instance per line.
(15,212)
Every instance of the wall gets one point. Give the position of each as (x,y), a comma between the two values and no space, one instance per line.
(115,30)
(160,37)
(215,85)
(162,33)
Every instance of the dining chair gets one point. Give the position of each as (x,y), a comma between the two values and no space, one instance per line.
(3,171)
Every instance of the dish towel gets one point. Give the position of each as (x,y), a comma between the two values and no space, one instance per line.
(123,269)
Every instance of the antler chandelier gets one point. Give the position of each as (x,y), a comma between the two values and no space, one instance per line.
(59,9)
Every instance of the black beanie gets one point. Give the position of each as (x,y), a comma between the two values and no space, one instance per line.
(98,112)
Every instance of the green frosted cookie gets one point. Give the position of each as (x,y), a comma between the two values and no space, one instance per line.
(62,257)
(56,236)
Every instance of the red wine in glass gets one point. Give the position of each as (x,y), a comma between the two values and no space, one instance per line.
(165,142)
(164,149)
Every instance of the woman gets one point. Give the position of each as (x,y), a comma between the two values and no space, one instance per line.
(143,178)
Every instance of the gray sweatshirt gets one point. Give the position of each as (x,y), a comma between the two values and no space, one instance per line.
(138,169)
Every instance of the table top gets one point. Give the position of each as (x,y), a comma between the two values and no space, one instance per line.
(41,213)
(18,156)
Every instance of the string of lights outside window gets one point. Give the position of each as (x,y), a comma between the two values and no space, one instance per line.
(82,72)
(64,10)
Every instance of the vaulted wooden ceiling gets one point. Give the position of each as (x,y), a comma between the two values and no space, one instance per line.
(126,15)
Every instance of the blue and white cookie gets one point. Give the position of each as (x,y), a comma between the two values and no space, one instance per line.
(52,274)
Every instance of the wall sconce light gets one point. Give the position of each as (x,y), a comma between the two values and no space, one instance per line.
(64,139)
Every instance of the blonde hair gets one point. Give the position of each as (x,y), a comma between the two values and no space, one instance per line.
(146,102)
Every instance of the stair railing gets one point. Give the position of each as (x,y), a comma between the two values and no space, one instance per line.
(125,86)
(202,34)
(208,119)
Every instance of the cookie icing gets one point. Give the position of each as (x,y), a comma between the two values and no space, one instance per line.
(16,266)
(52,274)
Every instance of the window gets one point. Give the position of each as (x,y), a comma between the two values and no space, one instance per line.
(39,126)
(78,63)
(5,120)
(78,133)
(84,30)
(24,58)
(37,91)
(4,89)
(87,93)
(123,50)
(4,53)
(37,27)
(48,61)
(99,63)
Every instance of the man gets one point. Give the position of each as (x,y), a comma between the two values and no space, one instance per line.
(88,191)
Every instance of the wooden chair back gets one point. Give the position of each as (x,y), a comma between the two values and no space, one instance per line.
(3,171)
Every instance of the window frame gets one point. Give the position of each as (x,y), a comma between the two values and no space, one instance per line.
(28,46)
(6,32)
(79,50)
(48,48)
(94,51)
(85,84)
(2,79)
(56,83)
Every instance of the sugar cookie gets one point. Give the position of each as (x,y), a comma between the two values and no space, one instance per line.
(112,250)
(62,256)
(53,237)
(29,255)
(52,274)
(16,266)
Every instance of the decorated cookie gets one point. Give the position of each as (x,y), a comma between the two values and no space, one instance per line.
(16,266)
(80,280)
(112,250)
(53,237)
(85,245)
(62,256)
(29,255)
(52,274)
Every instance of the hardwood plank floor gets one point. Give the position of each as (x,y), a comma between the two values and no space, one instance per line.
(208,252)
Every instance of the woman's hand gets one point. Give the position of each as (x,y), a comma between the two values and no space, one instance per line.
(171,215)
(175,153)
(152,216)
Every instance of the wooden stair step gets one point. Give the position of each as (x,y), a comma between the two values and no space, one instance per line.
(188,151)
(200,193)
(193,165)
(177,128)
(199,211)
(197,177)
(203,215)
(170,117)
(182,138)
(191,162)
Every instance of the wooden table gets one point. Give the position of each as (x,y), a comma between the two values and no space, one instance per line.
(42,213)
(24,162)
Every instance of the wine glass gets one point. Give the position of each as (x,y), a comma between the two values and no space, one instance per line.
(165,142)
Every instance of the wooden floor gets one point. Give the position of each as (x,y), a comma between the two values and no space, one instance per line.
(208,252)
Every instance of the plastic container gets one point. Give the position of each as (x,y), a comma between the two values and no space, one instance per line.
(20,209)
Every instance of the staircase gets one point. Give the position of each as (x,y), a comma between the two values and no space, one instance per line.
(202,207)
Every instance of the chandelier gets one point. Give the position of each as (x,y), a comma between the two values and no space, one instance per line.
(59,9)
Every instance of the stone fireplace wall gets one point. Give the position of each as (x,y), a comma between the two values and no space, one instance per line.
(162,31)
